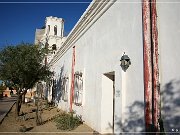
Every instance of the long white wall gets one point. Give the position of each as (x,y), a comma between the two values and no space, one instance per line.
(98,51)
(169,50)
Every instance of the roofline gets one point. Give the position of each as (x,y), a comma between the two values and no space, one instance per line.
(94,11)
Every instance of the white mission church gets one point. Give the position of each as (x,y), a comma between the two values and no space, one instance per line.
(119,67)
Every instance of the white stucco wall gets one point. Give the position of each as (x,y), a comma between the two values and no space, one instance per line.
(98,51)
(169,48)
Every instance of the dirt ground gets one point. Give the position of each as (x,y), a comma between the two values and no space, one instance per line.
(11,125)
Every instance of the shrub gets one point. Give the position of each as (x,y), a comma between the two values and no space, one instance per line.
(2,89)
(66,121)
(22,128)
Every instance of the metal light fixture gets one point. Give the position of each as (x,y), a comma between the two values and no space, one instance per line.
(125,62)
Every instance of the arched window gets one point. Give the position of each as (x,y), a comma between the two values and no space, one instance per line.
(55,30)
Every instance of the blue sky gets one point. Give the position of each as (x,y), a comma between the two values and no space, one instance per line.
(19,20)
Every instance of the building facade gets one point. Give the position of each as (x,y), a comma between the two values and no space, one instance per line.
(89,75)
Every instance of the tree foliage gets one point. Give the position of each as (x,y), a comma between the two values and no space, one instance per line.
(22,65)
(2,88)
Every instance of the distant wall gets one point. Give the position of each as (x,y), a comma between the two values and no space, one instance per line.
(38,35)
(6,93)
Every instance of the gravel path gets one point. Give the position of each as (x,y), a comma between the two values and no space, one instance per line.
(11,125)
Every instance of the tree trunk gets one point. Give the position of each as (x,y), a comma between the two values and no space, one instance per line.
(23,97)
(18,104)
(39,104)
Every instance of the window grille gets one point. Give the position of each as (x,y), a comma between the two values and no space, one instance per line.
(78,88)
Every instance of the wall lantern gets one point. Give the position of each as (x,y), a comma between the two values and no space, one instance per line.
(125,62)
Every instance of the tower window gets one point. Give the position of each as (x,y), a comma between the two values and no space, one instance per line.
(55,30)
(54,47)
(48,30)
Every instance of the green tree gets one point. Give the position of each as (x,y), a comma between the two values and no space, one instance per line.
(2,89)
(22,65)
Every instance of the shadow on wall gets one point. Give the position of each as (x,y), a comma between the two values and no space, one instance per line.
(57,86)
(170,104)
(133,119)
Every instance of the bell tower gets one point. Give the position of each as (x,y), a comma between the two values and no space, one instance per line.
(54,35)
(51,36)
(54,26)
